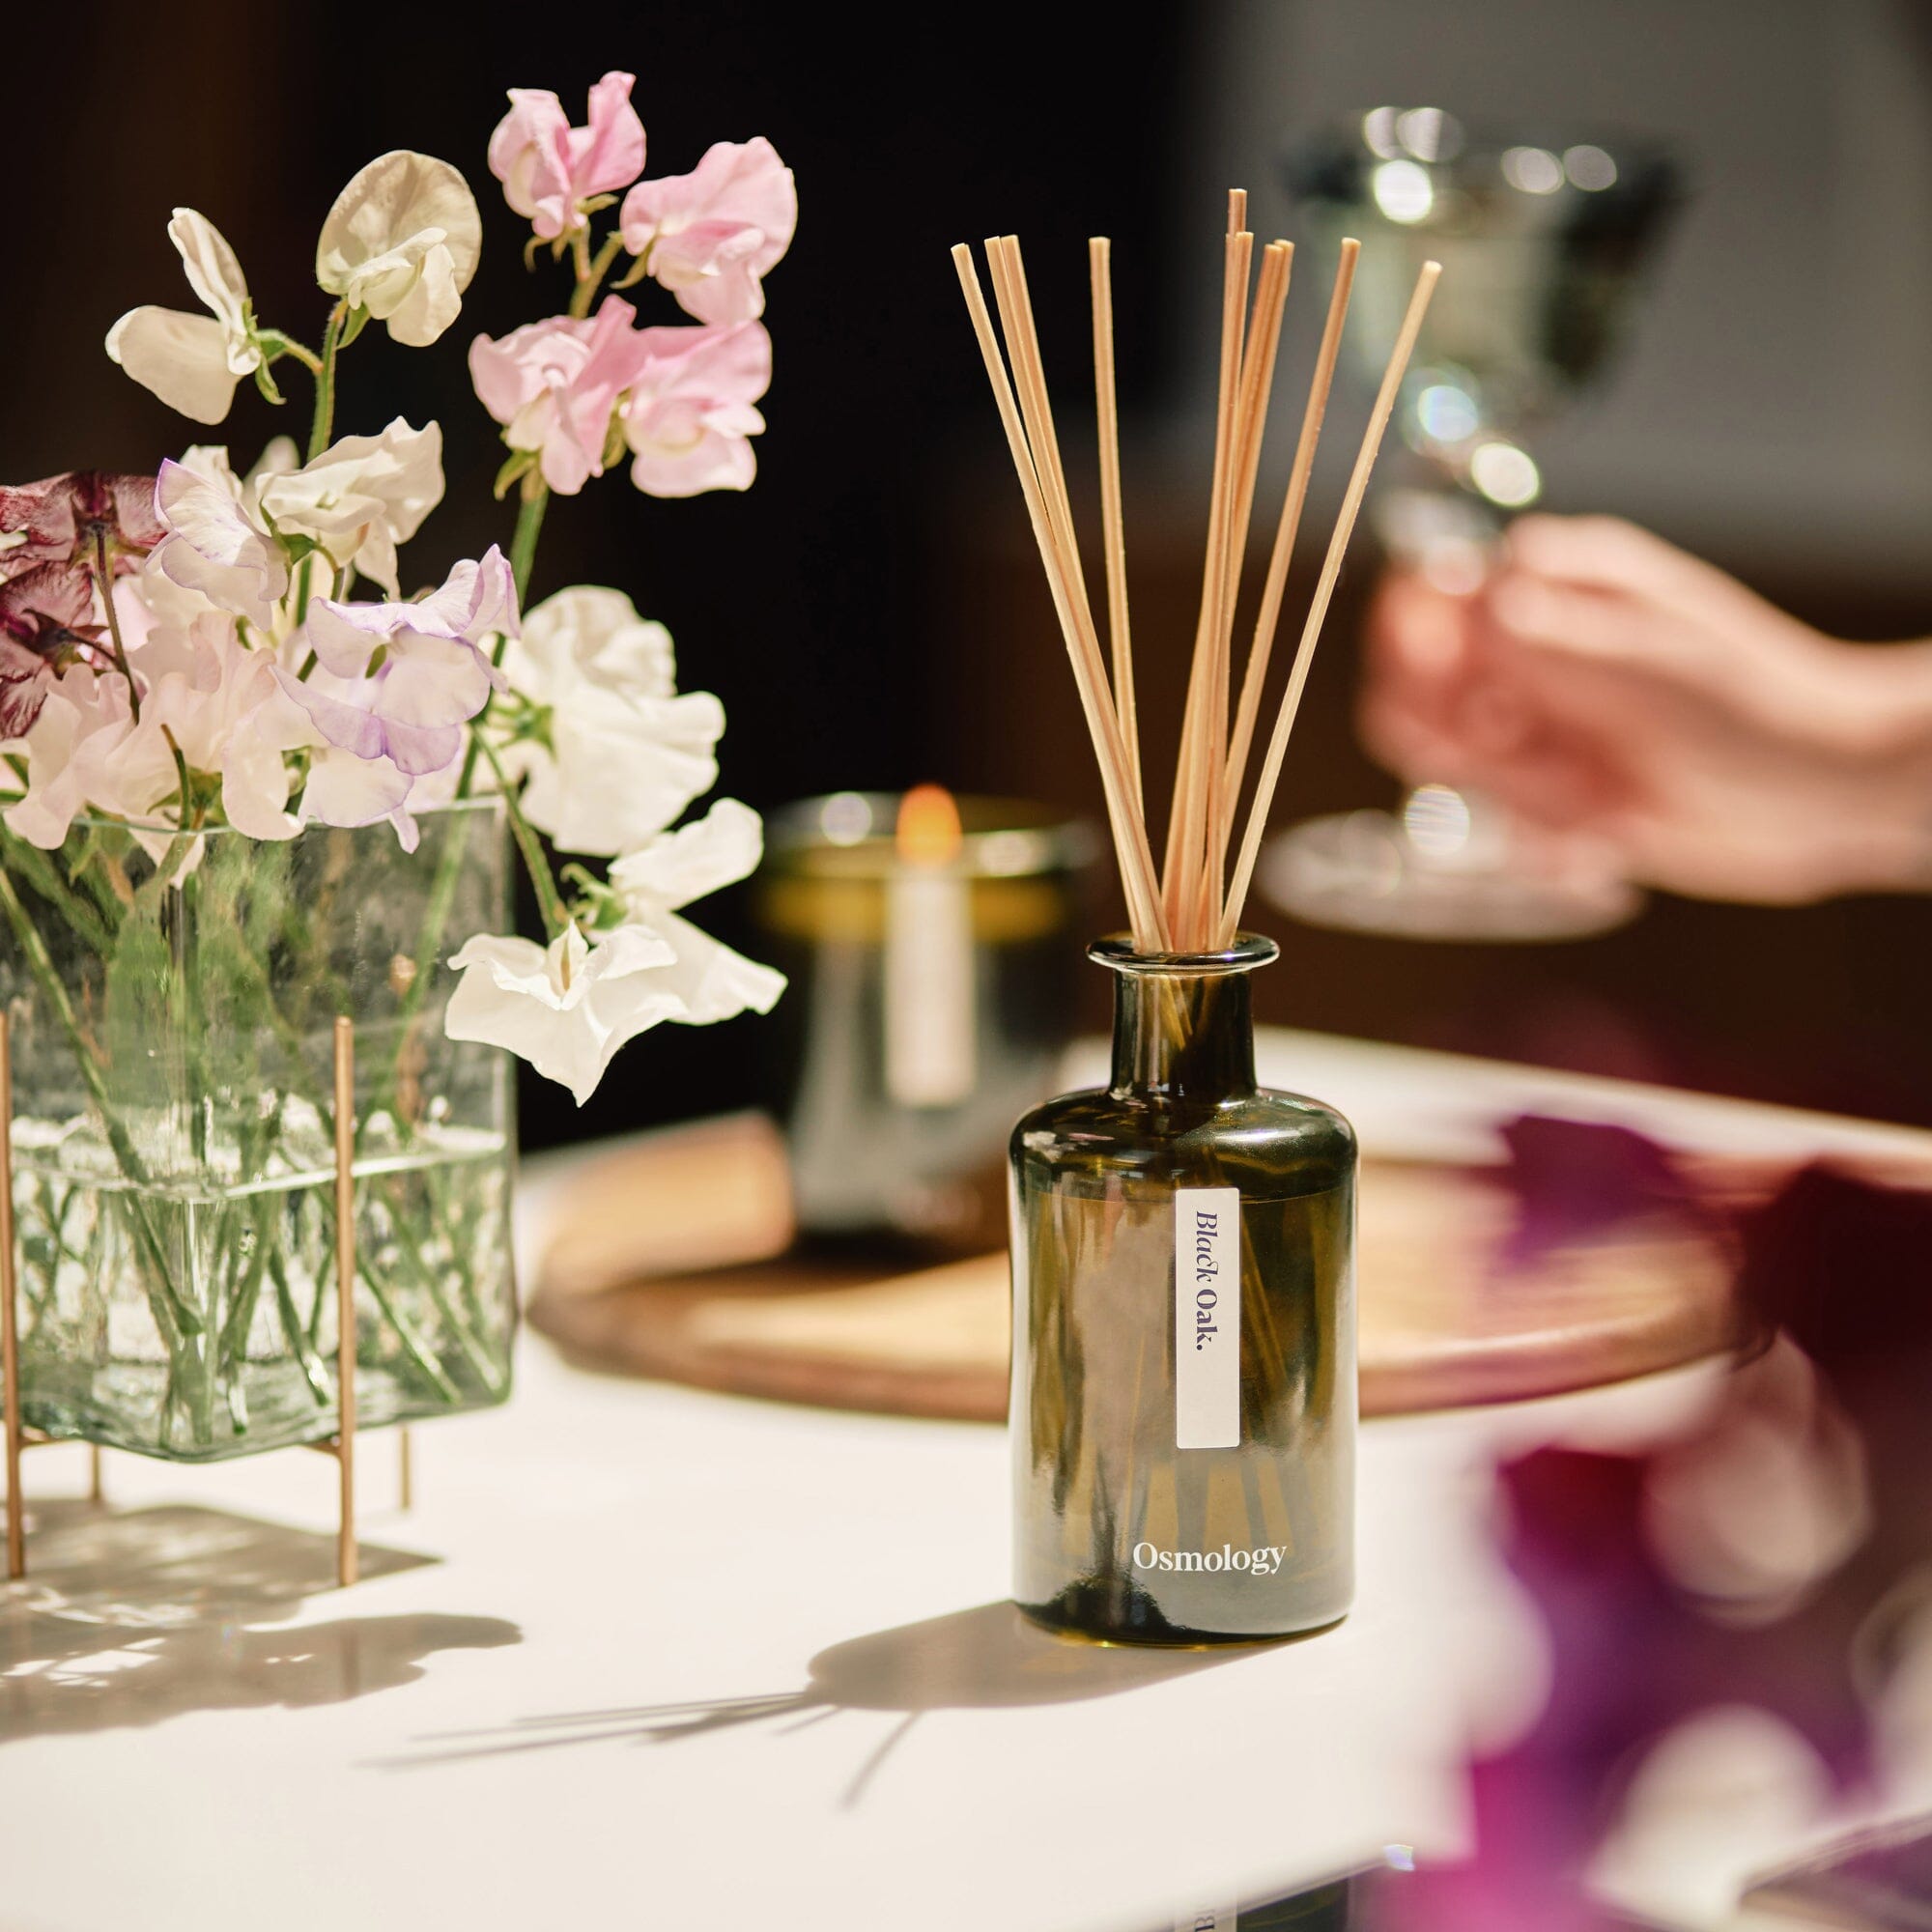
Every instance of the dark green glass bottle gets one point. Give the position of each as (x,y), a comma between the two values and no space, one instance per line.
(1183,1393)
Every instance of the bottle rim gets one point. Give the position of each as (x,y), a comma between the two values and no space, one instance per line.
(1118,952)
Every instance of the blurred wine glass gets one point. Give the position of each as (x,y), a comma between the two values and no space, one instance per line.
(1543,249)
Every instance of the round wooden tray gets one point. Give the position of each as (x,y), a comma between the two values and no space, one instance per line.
(1442,1325)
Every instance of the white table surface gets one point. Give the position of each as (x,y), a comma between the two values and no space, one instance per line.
(580,1688)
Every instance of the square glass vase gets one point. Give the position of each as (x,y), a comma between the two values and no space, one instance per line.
(172,1003)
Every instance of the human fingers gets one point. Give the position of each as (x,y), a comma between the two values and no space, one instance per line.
(1603,552)
(1605,628)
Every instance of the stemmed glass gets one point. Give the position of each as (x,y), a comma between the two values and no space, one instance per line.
(1543,247)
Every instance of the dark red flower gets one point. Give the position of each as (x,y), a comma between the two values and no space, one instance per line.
(46,619)
(61,516)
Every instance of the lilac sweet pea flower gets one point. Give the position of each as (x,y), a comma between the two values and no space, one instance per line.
(435,673)
(216,543)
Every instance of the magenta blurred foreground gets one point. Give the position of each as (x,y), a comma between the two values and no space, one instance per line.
(1739,1619)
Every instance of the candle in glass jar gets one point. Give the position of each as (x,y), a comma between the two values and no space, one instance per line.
(916,977)
(929,1019)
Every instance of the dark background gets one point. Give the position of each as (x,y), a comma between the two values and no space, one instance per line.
(869,611)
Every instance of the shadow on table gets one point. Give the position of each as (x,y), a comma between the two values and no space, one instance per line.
(128,1617)
(988,1658)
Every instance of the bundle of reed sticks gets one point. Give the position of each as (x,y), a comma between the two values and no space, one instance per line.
(1190,903)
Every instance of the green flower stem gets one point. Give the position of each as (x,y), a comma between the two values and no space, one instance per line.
(430,1283)
(590,274)
(102,574)
(524,543)
(28,934)
(429,946)
(293,1332)
(522,560)
(40,872)
(323,420)
(549,902)
(175,1319)
(420,1357)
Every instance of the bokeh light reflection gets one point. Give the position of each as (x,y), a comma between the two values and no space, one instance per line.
(1403,191)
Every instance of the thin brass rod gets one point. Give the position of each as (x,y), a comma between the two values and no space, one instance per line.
(96,1489)
(345,1294)
(10,1338)
(405,1468)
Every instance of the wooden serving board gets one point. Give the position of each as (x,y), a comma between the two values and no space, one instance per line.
(627,1286)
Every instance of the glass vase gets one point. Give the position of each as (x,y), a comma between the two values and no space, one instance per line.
(172,1001)
(1184,1382)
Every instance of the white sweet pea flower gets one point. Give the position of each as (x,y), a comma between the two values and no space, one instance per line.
(192,361)
(617,753)
(401,241)
(711,982)
(361,496)
(566,1007)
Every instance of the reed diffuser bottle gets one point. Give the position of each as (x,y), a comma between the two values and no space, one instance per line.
(1183,1398)
(1183,1395)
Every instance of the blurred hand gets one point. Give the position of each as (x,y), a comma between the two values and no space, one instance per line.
(1608,687)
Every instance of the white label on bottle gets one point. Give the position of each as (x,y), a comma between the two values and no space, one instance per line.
(1206,1318)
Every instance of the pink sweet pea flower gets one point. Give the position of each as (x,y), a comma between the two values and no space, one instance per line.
(690,412)
(553,384)
(713,235)
(549,169)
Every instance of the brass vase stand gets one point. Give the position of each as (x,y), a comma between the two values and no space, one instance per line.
(341,1445)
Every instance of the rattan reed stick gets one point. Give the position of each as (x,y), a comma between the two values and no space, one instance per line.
(1186,839)
(1254,678)
(1129,830)
(1331,569)
(1113,525)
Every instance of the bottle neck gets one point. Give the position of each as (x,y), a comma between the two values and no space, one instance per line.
(1183,1036)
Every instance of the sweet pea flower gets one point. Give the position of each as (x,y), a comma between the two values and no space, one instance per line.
(555,384)
(360,498)
(712,235)
(46,619)
(216,543)
(344,786)
(401,241)
(434,676)
(616,753)
(712,983)
(565,1008)
(549,169)
(207,690)
(193,361)
(84,753)
(58,520)
(689,410)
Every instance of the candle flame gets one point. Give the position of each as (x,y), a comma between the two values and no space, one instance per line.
(928,832)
